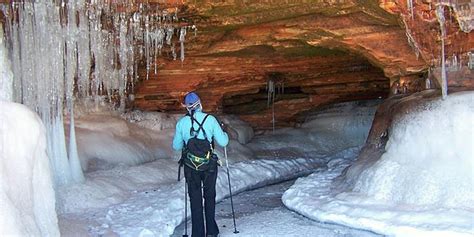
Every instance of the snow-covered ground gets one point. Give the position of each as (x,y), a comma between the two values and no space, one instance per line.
(146,199)
(423,185)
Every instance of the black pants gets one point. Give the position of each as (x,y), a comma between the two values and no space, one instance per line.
(208,180)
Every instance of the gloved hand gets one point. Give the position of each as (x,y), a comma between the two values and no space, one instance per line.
(224,127)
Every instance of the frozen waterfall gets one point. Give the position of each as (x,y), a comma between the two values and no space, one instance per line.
(66,53)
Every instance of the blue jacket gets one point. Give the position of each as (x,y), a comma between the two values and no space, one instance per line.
(211,126)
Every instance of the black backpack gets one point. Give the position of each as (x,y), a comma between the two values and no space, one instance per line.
(198,152)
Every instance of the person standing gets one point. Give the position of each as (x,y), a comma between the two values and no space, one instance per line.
(194,136)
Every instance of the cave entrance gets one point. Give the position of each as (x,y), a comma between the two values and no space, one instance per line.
(306,84)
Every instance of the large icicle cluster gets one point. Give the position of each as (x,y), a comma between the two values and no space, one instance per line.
(63,52)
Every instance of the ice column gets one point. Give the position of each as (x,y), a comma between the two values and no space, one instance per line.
(72,38)
(76,169)
(182,36)
(44,56)
(470,63)
(441,20)
(271,100)
(6,75)
(410,7)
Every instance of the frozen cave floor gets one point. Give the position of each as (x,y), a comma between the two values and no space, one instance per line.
(260,212)
(156,211)
(257,201)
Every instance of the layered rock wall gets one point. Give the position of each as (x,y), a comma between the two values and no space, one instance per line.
(322,51)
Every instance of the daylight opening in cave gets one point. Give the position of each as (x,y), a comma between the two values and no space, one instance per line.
(223,118)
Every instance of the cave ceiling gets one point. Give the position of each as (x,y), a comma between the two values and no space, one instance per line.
(318,53)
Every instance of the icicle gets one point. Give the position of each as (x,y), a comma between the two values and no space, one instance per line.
(270,92)
(410,8)
(470,63)
(182,36)
(455,64)
(6,75)
(273,112)
(161,37)
(173,52)
(169,35)
(428,80)
(147,46)
(74,163)
(84,56)
(195,30)
(444,80)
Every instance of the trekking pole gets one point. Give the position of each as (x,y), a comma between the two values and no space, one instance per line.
(185,209)
(230,189)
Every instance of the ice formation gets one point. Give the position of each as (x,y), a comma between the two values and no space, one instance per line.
(423,185)
(410,7)
(273,87)
(442,20)
(72,49)
(471,60)
(463,11)
(27,198)
(6,76)
(437,147)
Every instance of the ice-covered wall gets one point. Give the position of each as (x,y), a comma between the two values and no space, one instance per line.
(240,132)
(422,184)
(27,199)
(326,131)
(106,140)
(429,158)
(238,129)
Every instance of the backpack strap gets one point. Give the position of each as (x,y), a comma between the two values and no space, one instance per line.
(195,133)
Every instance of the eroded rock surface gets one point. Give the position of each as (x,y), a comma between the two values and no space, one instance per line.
(322,51)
